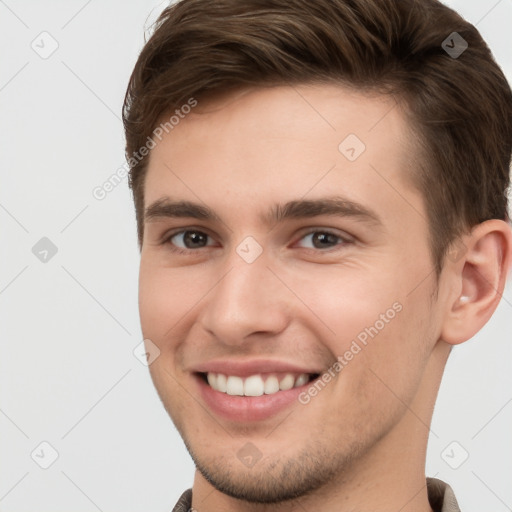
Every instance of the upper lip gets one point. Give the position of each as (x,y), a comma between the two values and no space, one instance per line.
(244,368)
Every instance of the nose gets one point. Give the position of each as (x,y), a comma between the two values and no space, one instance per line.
(248,300)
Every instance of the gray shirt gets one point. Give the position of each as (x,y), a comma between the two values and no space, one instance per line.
(440,495)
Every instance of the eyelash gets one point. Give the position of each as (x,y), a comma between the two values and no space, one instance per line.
(181,251)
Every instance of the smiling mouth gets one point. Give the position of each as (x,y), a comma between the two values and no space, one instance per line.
(257,384)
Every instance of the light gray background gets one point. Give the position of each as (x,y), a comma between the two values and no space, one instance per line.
(69,326)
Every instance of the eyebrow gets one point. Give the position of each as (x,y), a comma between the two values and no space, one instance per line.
(298,209)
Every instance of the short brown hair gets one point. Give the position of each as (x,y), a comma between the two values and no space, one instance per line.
(460,107)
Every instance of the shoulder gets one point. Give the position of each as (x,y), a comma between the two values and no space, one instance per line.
(441,496)
(184,504)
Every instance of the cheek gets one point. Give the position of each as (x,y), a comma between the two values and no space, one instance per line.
(163,305)
(166,295)
(352,303)
(154,300)
(376,327)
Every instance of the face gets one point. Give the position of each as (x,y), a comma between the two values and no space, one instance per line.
(286,279)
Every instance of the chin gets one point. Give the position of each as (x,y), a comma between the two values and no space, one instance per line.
(270,481)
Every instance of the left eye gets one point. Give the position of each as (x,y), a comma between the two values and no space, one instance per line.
(320,240)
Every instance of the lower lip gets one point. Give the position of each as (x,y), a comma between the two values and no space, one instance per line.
(246,409)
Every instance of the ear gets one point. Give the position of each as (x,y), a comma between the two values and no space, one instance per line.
(479,278)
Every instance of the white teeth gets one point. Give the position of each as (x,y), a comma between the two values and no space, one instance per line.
(254,385)
(235,386)
(221,383)
(301,380)
(287,382)
(271,385)
(212,380)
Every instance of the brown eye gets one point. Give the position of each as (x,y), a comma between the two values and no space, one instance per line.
(190,239)
(321,240)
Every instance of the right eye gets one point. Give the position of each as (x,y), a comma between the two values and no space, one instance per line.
(188,240)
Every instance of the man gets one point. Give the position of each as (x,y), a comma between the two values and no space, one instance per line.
(320,190)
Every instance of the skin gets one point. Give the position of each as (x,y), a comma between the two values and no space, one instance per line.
(360,443)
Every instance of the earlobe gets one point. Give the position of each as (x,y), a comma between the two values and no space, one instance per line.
(481,277)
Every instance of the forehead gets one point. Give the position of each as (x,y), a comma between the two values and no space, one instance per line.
(269,145)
